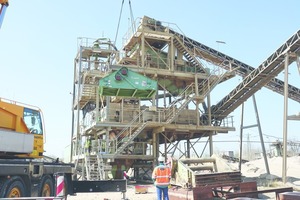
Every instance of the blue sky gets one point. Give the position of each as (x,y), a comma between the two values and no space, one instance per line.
(38,44)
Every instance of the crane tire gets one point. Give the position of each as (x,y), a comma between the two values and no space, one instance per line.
(12,187)
(46,187)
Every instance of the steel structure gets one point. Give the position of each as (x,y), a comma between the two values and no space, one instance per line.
(131,132)
(254,78)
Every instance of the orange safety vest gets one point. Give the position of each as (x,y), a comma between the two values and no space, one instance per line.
(162,175)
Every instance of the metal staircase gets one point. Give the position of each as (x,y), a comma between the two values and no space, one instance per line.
(188,94)
(91,165)
(101,165)
(187,51)
(207,85)
(172,111)
(135,127)
(95,167)
(131,131)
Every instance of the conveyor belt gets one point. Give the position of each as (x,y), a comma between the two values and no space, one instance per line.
(254,79)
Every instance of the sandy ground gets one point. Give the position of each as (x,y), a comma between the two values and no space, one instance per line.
(253,170)
(130,194)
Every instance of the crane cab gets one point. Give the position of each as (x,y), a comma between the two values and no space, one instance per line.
(21,130)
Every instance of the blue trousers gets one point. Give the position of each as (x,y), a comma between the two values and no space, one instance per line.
(163,191)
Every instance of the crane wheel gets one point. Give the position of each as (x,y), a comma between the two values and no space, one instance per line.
(13,187)
(46,188)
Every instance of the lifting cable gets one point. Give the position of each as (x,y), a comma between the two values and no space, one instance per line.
(119,22)
(132,20)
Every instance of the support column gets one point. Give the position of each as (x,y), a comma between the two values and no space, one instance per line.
(107,108)
(97,105)
(197,113)
(196,85)
(172,55)
(298,62)
(211,145)
(211,150)
(122,111)
(106,140)
(286,75)
(209,109)
(197,101)
(73,115)
(166,148)
(165,103)
(78,100)
(261,137)
(155,148)
(155,97)
(241,138)
(142,51)
(188,149)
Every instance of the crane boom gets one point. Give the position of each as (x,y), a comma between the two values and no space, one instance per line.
(4,5)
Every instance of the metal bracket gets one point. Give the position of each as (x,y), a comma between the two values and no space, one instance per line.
(100,186)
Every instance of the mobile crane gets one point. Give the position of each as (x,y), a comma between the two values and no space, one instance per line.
(23,172)
(24,169)
(4,5)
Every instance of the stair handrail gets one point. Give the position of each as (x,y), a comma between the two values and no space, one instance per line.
(100,161)
(186,92)
(87,166)
(118,141)
(138,128)
(129,125)
(188,50)
(206,86)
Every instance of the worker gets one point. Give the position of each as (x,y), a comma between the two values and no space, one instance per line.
(103,145)
(88,145)
(161,176)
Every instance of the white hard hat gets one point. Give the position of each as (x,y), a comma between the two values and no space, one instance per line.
(161,159)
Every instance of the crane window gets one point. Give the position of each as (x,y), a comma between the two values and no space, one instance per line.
(33,121)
